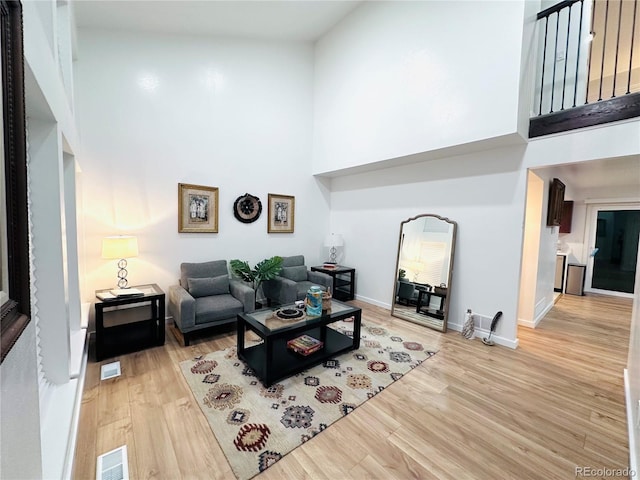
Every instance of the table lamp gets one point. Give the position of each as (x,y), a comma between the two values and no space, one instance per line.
(121,247)
(332,241)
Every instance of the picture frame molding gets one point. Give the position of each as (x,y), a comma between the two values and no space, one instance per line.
(210,226)
(271,226)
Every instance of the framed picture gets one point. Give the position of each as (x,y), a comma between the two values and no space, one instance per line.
(197,209)
(281,213)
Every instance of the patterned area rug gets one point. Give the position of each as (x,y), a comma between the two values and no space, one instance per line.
(256,426)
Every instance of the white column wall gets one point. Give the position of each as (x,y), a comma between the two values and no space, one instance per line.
(49,248)
(20,433)
(232,114)
(399,78)
(531,250)
(71,241)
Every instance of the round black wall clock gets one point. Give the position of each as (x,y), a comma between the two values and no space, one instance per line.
(247,208)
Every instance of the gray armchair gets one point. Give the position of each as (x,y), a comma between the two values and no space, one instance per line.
(294,281)
(406,291)
(206,297)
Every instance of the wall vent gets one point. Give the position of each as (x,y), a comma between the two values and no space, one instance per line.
(110,370)
(113,465)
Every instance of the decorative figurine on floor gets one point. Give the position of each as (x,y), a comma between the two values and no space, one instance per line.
(494,324)
(468,328)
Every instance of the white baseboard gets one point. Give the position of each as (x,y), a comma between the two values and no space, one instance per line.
(373,302)
(527,323)
(631,430)
(480,334)
(536,321)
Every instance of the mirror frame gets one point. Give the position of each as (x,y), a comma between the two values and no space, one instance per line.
(15,312)
(451,263)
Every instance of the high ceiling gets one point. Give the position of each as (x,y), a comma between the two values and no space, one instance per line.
(297,20)
(294,20)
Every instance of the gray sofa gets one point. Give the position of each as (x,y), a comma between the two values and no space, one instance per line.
(206,297)
(294,281)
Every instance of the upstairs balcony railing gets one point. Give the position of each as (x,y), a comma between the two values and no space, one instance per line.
(588,70)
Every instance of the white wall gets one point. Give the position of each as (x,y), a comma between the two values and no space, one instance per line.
(37,394)
(483,192)
(399,78)
(531,250)
(157,110)
(632,378)
(547,250)
(20,432)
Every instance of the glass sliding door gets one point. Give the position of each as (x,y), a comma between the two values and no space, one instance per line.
(616,241)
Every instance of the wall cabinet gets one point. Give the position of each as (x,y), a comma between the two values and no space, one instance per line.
(567,216)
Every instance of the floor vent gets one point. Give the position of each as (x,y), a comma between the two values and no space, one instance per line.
(113,465)
(110,370)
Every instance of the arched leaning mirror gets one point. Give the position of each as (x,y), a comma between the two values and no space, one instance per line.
(423,270)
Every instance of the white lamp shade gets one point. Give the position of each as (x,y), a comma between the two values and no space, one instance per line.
(122,246)
(334,240)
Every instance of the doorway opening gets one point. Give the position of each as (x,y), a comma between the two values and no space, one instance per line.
(614,239)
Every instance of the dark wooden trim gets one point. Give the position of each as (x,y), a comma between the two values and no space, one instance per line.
(598,113)
(13,324)
(15,312)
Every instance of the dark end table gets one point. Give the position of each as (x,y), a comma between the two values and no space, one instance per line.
(343,281)
(125,324)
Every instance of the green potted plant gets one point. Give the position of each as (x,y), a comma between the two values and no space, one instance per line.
(266,269)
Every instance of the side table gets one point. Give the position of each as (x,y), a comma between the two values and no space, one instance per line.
(125,324)
(343,281)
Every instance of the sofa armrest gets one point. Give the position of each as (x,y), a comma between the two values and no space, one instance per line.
(182,307)
(243,292)
(280,289)
(322,279)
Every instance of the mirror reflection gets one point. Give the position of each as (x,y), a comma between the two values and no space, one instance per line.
(423,270)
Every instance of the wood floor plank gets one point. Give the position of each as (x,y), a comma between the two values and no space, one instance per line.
(469,412)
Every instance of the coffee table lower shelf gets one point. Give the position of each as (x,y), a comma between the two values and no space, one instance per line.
(285,362)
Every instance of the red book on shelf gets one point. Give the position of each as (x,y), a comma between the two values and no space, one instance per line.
(330,265)
(304,345)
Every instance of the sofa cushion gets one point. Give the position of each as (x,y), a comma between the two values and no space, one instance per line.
(204,287)
(297,274)
(217,307)
(293,261)
(214,268)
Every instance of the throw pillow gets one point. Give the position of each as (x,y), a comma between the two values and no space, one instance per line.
(297,274)
(205,287)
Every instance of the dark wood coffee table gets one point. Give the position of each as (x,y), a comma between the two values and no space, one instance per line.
(271,360)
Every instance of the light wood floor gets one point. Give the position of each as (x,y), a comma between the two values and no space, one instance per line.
(470,412)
